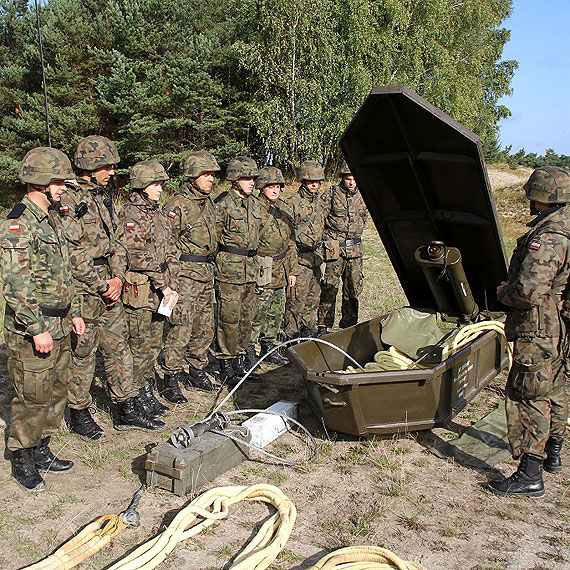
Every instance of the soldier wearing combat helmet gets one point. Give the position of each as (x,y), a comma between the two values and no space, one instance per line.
(344,225)
(309,210)
(41,310)
(99,264)
(192,216)
(537,296)
(278,267)
(151,279)
(236,269)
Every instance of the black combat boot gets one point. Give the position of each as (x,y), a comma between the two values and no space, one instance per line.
(308,332)
(131,416)
(274,357)
(81,423)
(25,472)
(322,330)
(45,460)
(147,393)
(199,380)
(553,461)
(145,408)
(238,364)
(526,481)
(227,374)
(171,390)
(250,359)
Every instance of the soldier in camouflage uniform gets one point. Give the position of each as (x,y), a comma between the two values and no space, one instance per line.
(237,267)
(41,310)
(537,286)
(153,264)
(344,225)
(278,257)
(192,216)
(309,211)
(98,264)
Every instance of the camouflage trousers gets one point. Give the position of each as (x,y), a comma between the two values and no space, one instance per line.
(536,396)
(191,327)
(269,318)
(106,330)
(236,309)
(40,382)
(145,341)
(350,271)
(303,301)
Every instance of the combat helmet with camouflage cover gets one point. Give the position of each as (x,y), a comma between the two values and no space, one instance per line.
(344,170)
(241,167)
(94,152)
(43,165)
(199,162)
(269,175)
(311,170)
(146,172)
(549,185)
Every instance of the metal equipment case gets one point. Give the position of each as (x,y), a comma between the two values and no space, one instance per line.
(423,178)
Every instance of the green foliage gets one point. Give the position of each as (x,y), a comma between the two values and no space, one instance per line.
(278,79)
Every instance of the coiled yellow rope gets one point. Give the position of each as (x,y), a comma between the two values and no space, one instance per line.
(94,537)
(394,359)
(363,558)
(213,506)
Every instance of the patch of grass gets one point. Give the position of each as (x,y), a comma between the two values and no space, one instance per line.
(277,478)
(411,523)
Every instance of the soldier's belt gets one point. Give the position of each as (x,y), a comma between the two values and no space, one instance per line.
(163,266)
(204,258)
(280,256)
(305,248)
(349,242)
(239,251)
(100,261)
(53,312)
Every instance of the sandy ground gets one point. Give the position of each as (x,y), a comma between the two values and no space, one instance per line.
(391,492)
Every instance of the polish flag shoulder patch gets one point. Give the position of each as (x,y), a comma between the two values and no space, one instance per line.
(63,209)
(171,214)
(130,225)
(534,245)
(14,227)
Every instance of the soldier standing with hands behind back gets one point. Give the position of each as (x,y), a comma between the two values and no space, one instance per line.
(41,310)
(537,286)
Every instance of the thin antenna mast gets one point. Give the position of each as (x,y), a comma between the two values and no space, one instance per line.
(43,71)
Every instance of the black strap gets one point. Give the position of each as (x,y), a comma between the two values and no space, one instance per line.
(305,248)
(100,261)
(16,211)
(238,250)
(203,258)
(280,256)
(53,312)
(220,196)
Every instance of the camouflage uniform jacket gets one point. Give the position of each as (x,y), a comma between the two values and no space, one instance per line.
(192,217)
(145,232)
(36,272)
(538,277)
(276,240)
(309,212)
(238,225)
(346,218)
(90,232)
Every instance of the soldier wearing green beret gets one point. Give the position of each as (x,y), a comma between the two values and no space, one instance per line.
(538,322)
(41,310)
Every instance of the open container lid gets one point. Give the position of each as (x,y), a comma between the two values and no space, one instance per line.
(423,178)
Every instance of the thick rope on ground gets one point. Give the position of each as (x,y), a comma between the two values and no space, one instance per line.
(364,558)
(93,538)
(213,506)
